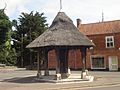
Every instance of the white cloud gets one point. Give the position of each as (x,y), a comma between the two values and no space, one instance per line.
(87,10)
(14,6)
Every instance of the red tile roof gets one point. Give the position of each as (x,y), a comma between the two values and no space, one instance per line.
(100,27)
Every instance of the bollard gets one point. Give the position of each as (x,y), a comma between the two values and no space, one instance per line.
(58,76)
(83,75)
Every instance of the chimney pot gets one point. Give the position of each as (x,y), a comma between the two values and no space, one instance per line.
(78,22)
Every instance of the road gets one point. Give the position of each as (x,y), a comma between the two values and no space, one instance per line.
(22,80)
(102,88)
(7,74)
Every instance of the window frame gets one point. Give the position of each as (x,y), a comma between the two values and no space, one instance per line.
(97,56)
(108,42)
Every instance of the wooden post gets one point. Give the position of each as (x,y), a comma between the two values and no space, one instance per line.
(62,61)
(83,56)
(38,64)
(58,74)
(66,64)
(58,61)
(46,63)
(66,61)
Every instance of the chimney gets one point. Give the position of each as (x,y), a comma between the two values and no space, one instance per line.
(78,22)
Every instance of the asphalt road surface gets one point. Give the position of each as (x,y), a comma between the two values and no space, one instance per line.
(102,88)
(22,80)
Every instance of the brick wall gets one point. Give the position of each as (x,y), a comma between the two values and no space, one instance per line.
(74,56)
(100,48)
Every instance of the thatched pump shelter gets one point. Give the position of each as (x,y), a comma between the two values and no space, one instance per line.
(61,36)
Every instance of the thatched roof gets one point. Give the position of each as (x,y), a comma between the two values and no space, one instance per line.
(62,32)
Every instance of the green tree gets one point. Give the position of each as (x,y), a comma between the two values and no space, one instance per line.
(28,27)
(7,54)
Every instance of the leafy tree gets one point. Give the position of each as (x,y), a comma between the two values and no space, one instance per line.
(7,54)
(28,27)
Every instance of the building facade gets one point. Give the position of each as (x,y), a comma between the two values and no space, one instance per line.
(106,53)
(106,37)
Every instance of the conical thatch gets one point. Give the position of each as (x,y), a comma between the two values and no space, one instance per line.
(62,32)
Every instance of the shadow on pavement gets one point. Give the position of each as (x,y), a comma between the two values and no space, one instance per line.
(23,80)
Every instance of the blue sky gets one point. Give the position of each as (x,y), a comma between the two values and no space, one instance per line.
(89,11)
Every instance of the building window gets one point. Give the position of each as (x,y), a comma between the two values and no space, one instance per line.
(109,42)
(97,62)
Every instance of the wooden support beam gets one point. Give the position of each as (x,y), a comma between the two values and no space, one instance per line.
(58,61)
(38,64)
(46,62)
(83,56)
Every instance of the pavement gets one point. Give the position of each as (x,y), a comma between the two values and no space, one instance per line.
(73,78)
(19,79)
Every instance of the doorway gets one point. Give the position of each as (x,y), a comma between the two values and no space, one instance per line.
(113,63)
